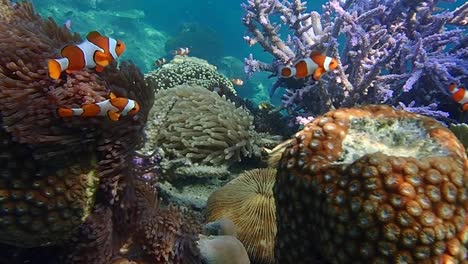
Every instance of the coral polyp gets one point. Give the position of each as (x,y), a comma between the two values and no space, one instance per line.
(373,184)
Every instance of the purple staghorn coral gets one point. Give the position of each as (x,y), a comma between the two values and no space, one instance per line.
(395,52)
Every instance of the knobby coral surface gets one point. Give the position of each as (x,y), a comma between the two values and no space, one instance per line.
(248,201)
(66,181)
(189,71)
(373,184)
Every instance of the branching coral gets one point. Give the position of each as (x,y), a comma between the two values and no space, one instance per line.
(372,184)
(193,122)
(393,51)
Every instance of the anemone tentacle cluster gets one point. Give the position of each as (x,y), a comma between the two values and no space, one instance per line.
(69,191)
(372,184)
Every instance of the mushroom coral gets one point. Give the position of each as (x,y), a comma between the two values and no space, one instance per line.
(248,202)
(67,185)
(372,184)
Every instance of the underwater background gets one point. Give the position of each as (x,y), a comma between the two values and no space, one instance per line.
(233,132)
(212,29)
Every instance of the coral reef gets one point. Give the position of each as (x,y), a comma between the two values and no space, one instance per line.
(193,122)
(69,187)
(190,71)
(248,202)
(393,52)
(220,227)
(222,249)
(372,184)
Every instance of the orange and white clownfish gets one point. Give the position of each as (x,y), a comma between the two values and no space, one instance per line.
(460,95)
(113,108)
(181,51)
(96,52)
(316,65)
(237,81)
(160,62)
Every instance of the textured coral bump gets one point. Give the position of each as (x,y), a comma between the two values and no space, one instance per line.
(372,184)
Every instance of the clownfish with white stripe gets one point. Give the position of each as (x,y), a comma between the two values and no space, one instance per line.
(113,108)
(316,65)
(160,62)
(181,51)
(459,95)
(96,52)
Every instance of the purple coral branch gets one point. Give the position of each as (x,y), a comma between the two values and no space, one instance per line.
(393,50)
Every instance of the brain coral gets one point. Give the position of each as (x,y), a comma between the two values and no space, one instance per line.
(248,201)
(372,184)
(193,122)
(190,71)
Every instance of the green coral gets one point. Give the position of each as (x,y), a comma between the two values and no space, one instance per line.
(190,71)
(461,132)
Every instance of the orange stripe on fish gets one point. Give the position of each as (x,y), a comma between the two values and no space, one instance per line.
(113,108)
(316,65)
(459,95)
(96,52)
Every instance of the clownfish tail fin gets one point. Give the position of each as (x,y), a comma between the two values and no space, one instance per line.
(64,112)
(56,67)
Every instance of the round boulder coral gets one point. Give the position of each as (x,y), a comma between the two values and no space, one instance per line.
(248,202)
(372,184)
(190,71)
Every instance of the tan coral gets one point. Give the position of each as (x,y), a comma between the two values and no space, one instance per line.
(248,202)
(195,123)
(373,184)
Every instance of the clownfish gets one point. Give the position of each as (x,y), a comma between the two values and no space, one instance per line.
(96,52)
(460,95)
(113,108)
(181,51)
(160,62)
(237,82)
(316,65)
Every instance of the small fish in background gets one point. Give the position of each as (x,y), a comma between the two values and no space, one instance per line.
(181,51)
(267,106)
(68,24)
(316,65)
(237,82)
(96,52)
(113,108)
(459,95)
(160,62)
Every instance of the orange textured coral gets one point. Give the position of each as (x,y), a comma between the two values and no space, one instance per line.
(372,184)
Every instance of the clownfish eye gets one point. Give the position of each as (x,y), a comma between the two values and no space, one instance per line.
(134,108)
(118,45)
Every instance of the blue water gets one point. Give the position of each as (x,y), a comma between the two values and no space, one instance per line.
(148,26)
